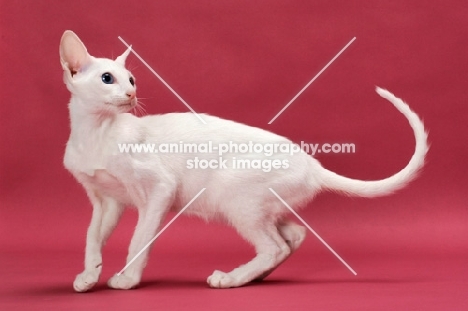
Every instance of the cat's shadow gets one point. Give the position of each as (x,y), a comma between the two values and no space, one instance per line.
(167,283)
(67,289)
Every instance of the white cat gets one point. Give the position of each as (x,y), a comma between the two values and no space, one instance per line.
(102,93)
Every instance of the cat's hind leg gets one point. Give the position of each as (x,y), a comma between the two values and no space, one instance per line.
(106,214)
(293,234)
(271,250)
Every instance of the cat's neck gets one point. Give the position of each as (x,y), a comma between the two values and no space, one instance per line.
(85,123)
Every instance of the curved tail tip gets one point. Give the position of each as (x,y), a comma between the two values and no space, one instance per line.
(380,90)
(383,92)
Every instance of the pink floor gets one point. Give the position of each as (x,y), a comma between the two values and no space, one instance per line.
(393,278)
(401,266)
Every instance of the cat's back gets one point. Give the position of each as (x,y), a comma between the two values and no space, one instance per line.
(189,126)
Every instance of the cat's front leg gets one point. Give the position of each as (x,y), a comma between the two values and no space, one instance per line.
(150,217)
(106,213)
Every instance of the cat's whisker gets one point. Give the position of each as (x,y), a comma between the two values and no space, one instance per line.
(139,109)
(142,110)
(136,111)
(132,67)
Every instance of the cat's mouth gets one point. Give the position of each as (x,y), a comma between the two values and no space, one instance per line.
(123,105)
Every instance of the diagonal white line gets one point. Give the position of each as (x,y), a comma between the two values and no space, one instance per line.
(160,232)
(162,80)
(313,79)
(313,231)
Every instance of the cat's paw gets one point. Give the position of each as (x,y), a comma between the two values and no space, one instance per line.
(221,279)
(122,282)
(86,280)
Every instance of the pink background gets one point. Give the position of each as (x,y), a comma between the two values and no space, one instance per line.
(244,60)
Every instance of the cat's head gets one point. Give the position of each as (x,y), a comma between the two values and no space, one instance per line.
(98,85)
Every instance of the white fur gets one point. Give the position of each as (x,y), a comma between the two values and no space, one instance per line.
(158,183)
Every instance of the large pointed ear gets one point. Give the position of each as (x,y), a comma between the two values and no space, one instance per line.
(73,53)
(121,59)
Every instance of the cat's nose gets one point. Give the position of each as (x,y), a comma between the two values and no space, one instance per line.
(131,95)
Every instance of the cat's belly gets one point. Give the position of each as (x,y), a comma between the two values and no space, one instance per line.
(107,185)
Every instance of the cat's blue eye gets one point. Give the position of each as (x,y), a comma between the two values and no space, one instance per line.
(132,82)
(107,78)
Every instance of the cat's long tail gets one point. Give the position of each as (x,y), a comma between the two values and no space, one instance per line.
(333,181)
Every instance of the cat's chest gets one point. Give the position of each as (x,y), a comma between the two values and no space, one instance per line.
(106,184)
(107,172)
(86,158)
